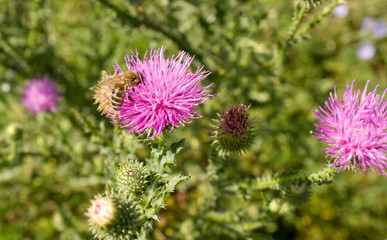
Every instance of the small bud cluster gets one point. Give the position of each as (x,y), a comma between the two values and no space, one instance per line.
(233,132)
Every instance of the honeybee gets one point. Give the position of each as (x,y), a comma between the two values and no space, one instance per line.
(122,83)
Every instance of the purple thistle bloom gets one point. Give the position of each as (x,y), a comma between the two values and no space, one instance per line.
(40,95)
(366,50)
(355,129)
(166,95)
(341,11)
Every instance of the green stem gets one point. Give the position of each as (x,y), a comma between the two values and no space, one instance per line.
(12,53)
(324,176)
(317,20)
(298,16)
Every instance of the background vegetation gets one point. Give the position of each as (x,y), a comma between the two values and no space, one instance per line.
(52,164)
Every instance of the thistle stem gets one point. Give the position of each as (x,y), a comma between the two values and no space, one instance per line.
(317,20)
(324,176)
(298,16)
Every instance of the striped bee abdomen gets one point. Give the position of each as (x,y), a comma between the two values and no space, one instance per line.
(118,94)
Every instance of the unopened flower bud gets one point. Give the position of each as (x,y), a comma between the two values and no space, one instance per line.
(233,133)
(101,211)
(132,176)
(115,216)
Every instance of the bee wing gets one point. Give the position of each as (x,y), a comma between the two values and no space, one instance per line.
(116,79)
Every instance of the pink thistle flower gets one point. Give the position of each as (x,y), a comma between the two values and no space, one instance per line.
(40,95)
(355,129)
(166,95)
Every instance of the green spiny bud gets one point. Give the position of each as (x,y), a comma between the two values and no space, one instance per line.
(233,132)
(132,176)
(115,216)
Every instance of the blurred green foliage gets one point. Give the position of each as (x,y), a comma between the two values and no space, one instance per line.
(52,164)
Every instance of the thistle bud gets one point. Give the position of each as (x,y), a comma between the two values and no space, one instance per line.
(115,216)
(233,132)
(132,176)
(101,212)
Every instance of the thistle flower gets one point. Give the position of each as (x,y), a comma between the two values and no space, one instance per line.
(355,129)
(233,132)
(40,95)
(166,95)
(366,51)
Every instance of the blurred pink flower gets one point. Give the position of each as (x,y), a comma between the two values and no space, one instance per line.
(166,95)
(355,129)
(40,95)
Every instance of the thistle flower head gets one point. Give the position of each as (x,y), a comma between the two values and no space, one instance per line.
(233,132)
(167,94)
(355,129)
(115,216)
(40,95)
(101,211)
